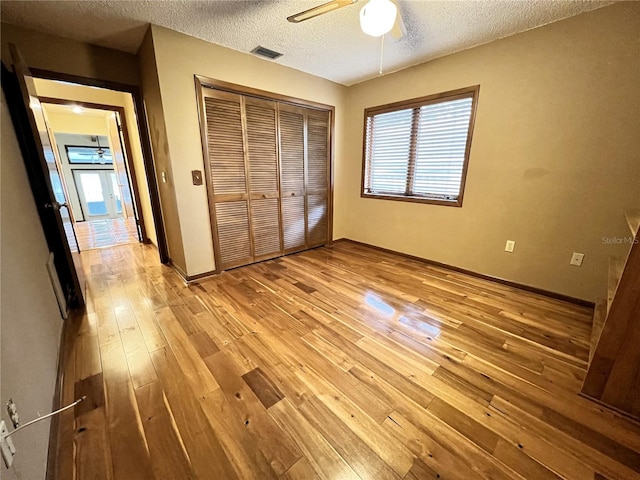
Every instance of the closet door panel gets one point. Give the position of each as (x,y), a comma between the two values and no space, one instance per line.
(225,145)
(233,233)
(265,227)
(291,150)
(227,178)
(262,162)
(292,177)
(317,187)
(317,223)
(294,223)
(262,146)
(317,151)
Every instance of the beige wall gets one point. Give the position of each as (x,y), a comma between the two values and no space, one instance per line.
(159,143)
(30,322)
(73,123)
(178,58)
(81,93)
(554,163)
(49,52)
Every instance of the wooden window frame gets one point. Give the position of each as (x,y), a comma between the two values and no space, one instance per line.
(468,92)
(203,82)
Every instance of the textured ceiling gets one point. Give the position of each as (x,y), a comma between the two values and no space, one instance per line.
(331,46)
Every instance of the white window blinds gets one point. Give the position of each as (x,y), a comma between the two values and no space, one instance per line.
(389,140)
(420,151)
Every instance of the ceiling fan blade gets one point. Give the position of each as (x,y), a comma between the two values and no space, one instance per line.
(397,32)
(320,10)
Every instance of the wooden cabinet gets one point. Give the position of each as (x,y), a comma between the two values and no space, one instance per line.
(268,166)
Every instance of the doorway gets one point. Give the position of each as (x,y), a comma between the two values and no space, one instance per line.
(44,170)
(99,194)
(105,224)
(97,173)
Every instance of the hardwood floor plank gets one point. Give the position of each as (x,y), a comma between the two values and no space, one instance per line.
(87,356)
(191,364)
(208,459)
(129,451)
(579,444)
(364,461)
(242,363)
(376,437)
(278,448)
(140,366)
(167,453)
(262,386)
(326,462)
(91,443)
(93,389)
(478,434)
(432,454)
(301,470)
(203,344)
(420,471)
(518,461)
(238,444)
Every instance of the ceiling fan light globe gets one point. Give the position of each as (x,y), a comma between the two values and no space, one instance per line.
(377,17)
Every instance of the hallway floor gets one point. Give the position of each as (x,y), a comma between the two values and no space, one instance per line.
(106,233)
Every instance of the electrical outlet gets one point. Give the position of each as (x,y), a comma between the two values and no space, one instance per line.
(6,445)
(576,259)
(511,244)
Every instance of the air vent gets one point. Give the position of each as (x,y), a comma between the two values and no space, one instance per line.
(265,52)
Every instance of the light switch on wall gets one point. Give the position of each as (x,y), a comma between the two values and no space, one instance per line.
(511,244)
(196,176)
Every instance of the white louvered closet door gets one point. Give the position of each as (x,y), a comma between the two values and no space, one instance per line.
(228,177)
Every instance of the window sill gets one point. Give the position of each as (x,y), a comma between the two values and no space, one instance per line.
(405,198)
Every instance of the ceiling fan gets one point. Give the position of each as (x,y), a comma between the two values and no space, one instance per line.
(377,17)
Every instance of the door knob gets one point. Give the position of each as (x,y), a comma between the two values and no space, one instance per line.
(55,205)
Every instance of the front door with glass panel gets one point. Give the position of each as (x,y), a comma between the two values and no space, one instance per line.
(99,193)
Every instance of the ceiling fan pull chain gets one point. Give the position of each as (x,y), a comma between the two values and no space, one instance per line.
(381,53)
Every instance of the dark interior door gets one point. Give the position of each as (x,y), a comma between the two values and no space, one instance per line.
(35,144)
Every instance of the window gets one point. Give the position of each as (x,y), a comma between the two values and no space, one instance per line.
(418,150)
(89,155)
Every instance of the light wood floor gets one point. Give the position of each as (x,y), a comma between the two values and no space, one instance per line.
(105,233)
(337,363)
